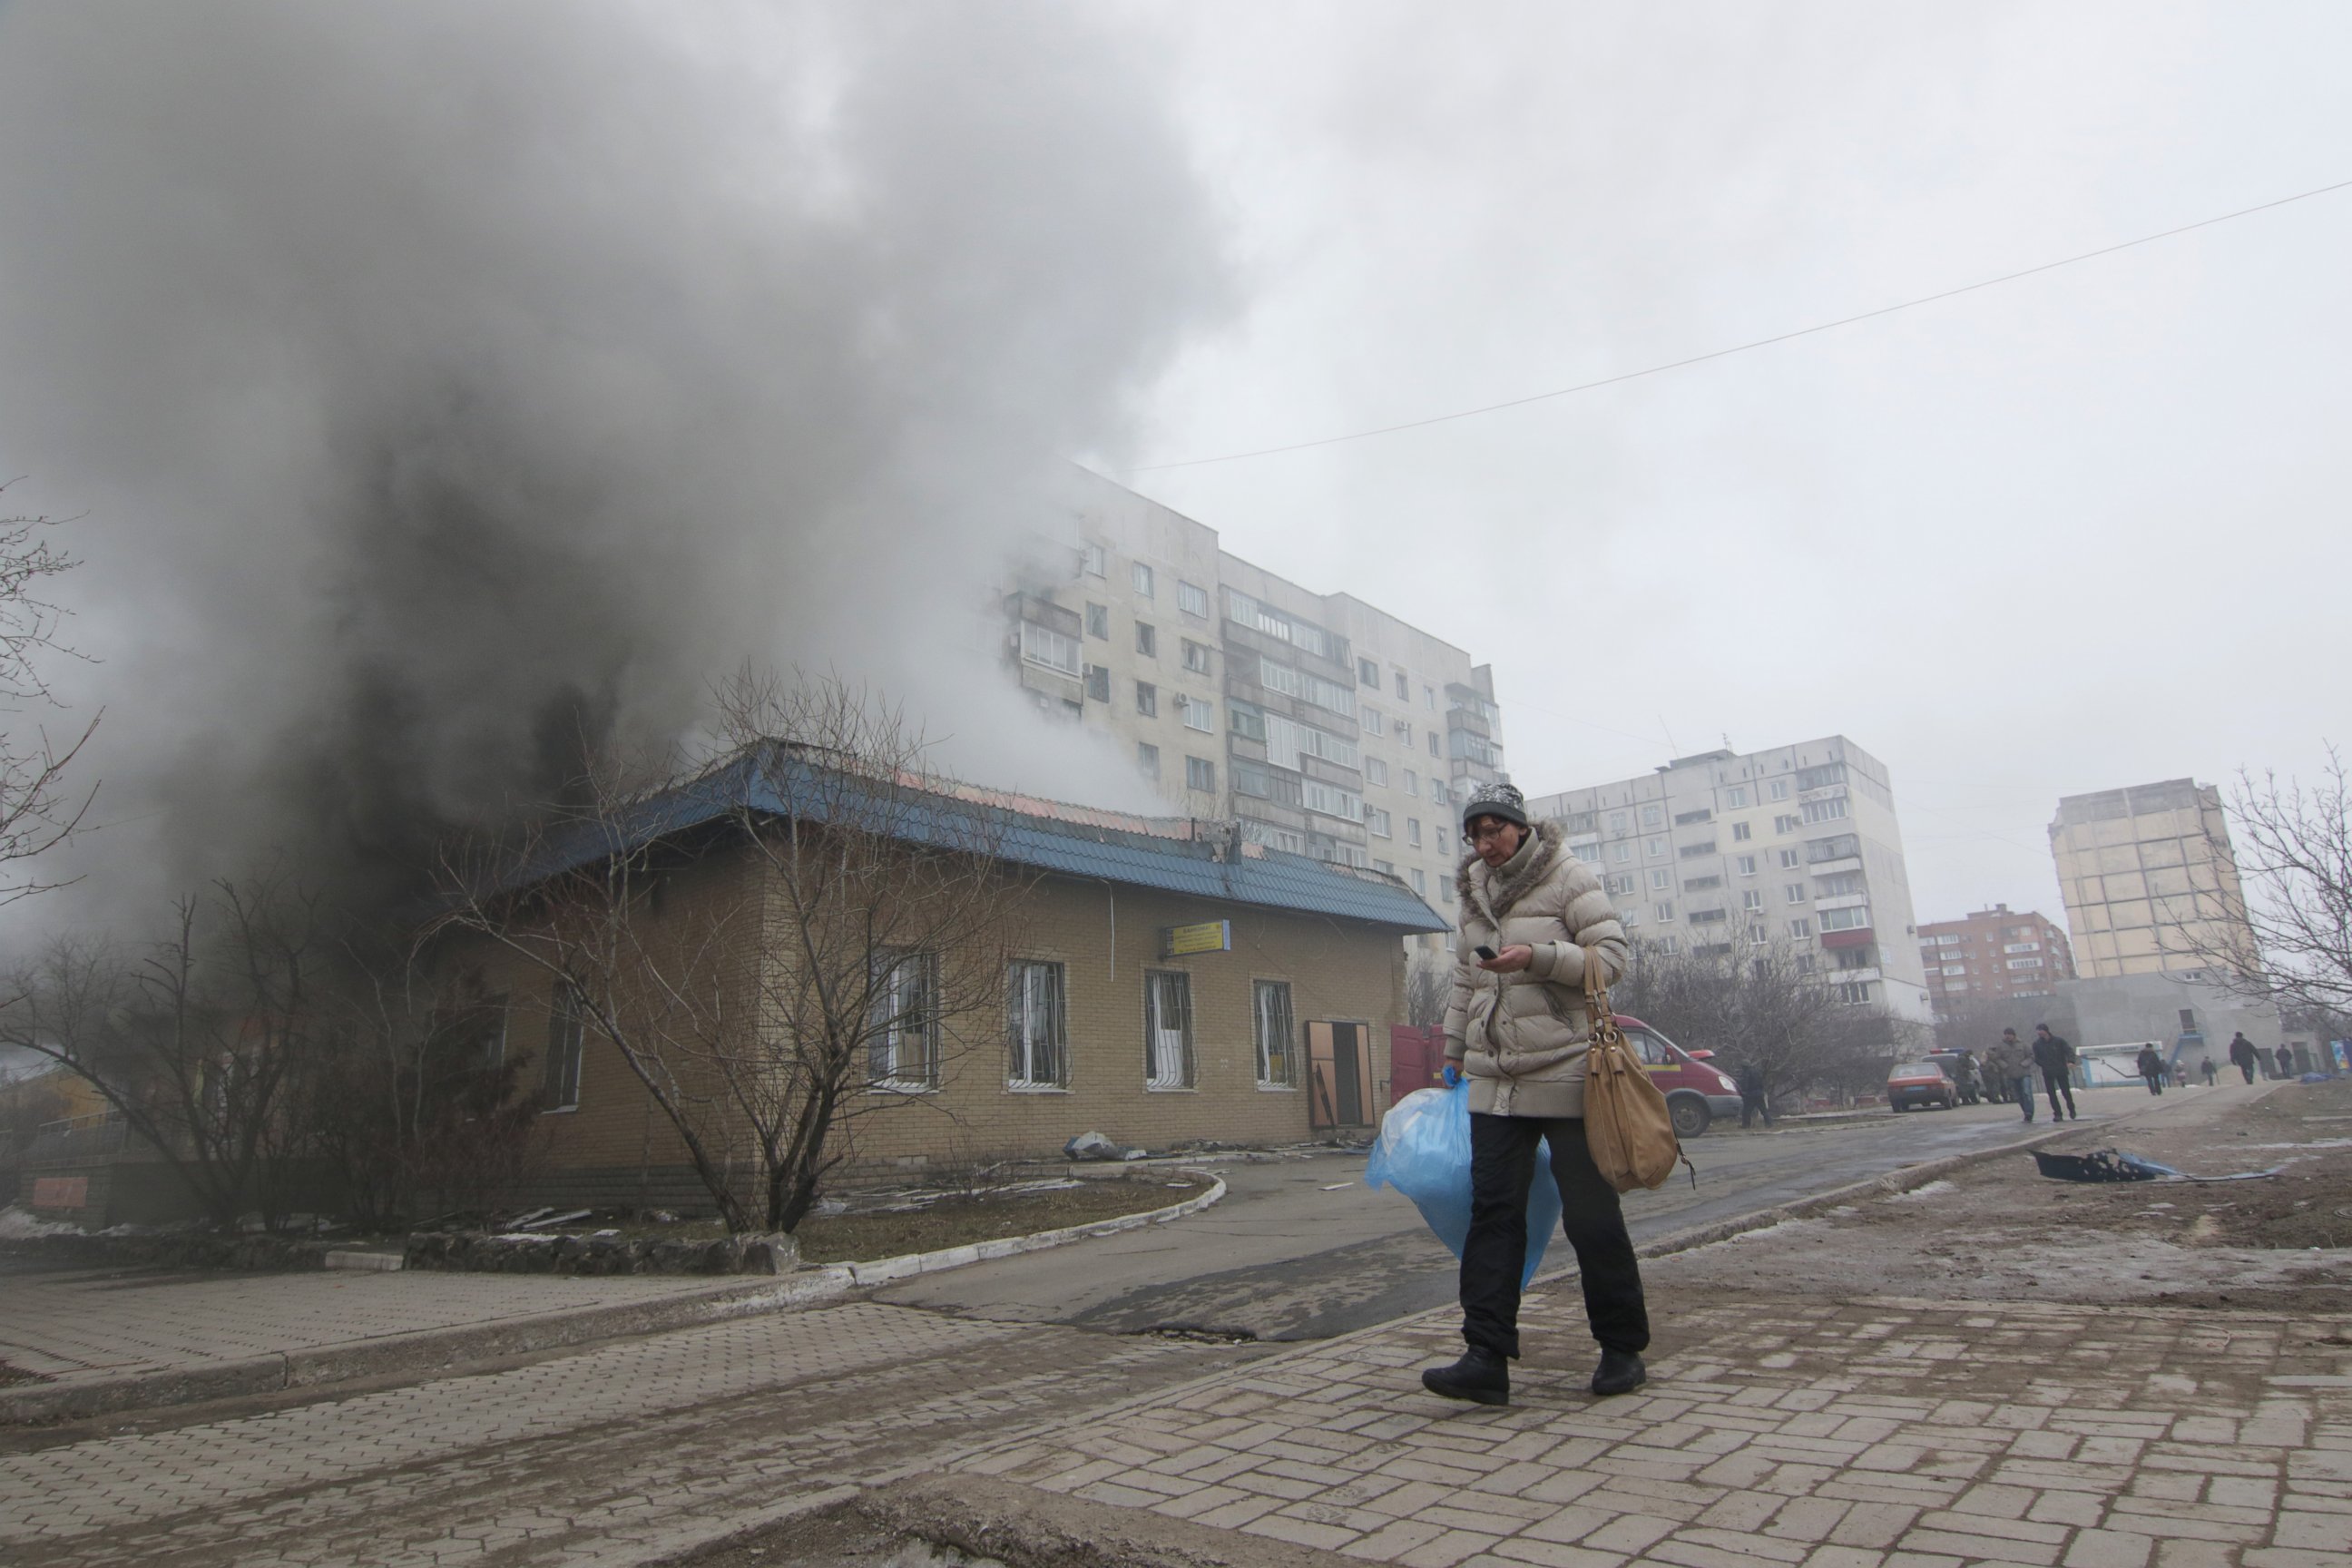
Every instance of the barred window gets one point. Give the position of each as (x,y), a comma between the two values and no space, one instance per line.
(1166,1029)
(902,1042)
(1277,1064)
(1034,1028)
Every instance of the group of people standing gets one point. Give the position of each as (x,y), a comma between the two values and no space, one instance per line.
(2012,1065)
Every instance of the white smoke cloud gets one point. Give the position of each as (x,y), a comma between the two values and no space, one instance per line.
(433,377)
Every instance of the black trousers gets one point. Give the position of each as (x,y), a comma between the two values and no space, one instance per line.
(1502,1162)
(2055,1084)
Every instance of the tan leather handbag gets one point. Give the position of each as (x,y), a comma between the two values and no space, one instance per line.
(1627,1127)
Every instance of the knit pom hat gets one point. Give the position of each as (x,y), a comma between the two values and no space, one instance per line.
(1500,800)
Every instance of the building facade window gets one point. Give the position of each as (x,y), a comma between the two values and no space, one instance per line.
(1368,673)
(1737,796)
(1199,713)
(1196,657)
(1433,746)
(1794,893)
(1247,720)
(902,1042)
(1376,772)
(1093,559)
(1412,831)
(1098,621)
(1034,1028)
(1747,865)
(1752,898)
(1191,598)
(1802,929)
(1779,789)
(1166,1029)
(1420,881)
(1147,757)
(1369,717)
(1098,682)
(1270,1017)
(1142,580)
(1200,774)
(1663,912)
(1053,650)
(1657,848)
(1376,822)
(559,1077)
(1147,699)
(1147,639)
(1824,810)
(1403,688)
(1739,833)
(1652,815)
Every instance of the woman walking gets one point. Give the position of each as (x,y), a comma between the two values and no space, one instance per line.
(1516,1028)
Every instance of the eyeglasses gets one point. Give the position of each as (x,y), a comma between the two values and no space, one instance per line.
(1487,828)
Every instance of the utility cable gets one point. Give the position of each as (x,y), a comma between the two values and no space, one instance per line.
(1743,348)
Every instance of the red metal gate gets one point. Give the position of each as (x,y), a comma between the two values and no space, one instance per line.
(1416,1059)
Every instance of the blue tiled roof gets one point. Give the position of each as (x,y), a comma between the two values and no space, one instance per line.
(1088,845)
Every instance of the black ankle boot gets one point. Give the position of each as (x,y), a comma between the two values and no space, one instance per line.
(1481,1376)
(1619,1372)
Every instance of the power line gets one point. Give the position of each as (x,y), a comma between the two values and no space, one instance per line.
(1757,343)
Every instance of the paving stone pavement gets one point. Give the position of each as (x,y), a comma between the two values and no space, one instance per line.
(614,1453)
(80,1325)
(1869,1433)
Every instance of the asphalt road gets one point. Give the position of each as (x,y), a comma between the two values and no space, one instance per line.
(1301,1249)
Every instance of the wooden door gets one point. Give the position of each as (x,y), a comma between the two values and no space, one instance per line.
(1339,1075)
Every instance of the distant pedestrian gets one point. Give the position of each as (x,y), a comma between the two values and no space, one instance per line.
(2243,1053)
(2056,1058)
(2206,1067)
(1752,1098)
(2008,1064)
(2151,1067)
(2285,1062)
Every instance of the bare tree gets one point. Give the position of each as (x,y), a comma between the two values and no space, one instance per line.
(418,1102)
(1761,1004)
(2282,933)
(193,1041)
(821,940)
(38,810)
(1428,987)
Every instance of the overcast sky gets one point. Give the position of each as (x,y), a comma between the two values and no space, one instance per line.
(744,327)
(2079,531)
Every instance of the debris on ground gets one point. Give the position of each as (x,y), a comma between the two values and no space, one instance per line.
(1095,1146)
(2115,1165)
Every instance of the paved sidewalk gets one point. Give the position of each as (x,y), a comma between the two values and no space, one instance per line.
(1872,1434)
(110,1338)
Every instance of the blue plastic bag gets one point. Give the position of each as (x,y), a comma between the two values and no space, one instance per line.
(1423,1152)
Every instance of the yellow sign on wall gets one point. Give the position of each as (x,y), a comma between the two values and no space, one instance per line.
(1209,936)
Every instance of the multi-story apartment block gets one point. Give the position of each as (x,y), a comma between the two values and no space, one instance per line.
(1992,955)
(1326,726)
(1796,845)
(2150,878)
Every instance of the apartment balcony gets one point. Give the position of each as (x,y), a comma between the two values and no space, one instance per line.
(1833,940)
(1831,868)
(1840,902)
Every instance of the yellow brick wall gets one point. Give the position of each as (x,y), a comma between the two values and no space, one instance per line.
(1107,939)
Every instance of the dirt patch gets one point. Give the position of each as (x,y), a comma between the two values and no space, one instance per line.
(2000,1231)
(960,1220)
(12,1374)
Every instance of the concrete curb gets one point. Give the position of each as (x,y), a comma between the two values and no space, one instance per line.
(882,1271)
(46,1403)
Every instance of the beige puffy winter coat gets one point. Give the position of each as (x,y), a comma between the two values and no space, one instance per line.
(1521,1037)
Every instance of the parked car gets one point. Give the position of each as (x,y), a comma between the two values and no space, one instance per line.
(1921,1083)
(1972,1084)
(1696,1091)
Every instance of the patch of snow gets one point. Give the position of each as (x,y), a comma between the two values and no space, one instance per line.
(23,1225)
(1928,1191)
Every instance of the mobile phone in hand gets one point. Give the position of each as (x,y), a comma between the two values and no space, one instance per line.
(1486,953)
